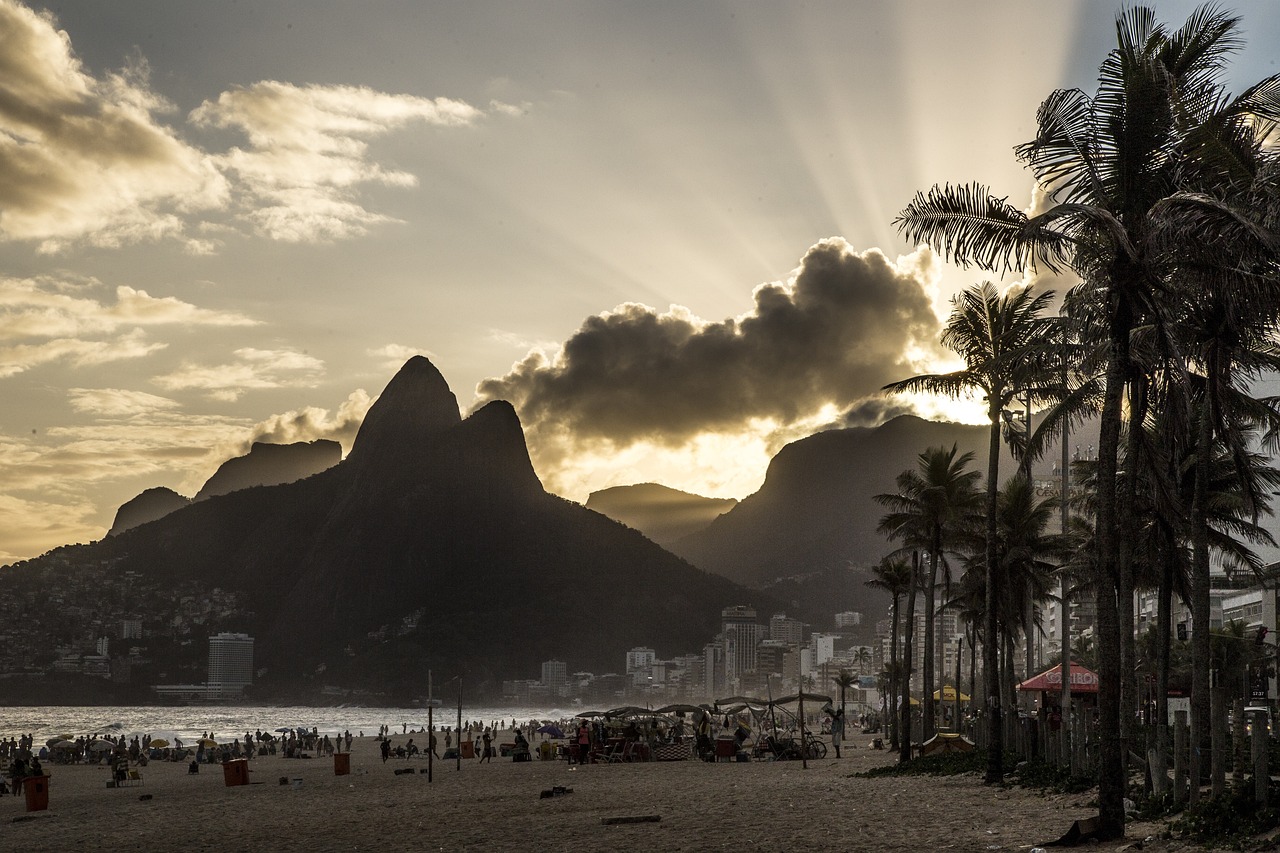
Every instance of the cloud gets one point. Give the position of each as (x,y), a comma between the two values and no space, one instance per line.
(311,423)
(83,158)
(117,402)
(254,369)
(79,353)
(636,389)
(42,307)
(393,356)
(308,154)
(845,324)
(86,159)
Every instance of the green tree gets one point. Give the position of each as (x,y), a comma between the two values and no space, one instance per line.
(1117,167)
(997,337)
(934,503)
(894,576)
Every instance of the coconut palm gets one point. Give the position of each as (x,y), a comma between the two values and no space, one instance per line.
(997,337)
(1117,167)
(894,576)
(935,501)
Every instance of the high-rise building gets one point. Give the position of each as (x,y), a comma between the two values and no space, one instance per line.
(640,658)
(555,675)
(131,629)
(741,634)
(786,630)
(230,664)
(848,619)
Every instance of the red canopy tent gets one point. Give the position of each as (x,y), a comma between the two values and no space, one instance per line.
(1050,681)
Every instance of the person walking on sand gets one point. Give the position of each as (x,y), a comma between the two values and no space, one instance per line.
(584,742)
(485,754)
(386,749)
(431,745)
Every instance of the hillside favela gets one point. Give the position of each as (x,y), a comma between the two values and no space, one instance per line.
(355,494)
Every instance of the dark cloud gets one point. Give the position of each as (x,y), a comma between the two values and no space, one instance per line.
(846,324)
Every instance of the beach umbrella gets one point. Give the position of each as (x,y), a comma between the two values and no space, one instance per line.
(554,731)
(159,743)
(63,744)
(589,714)
(101,745)
(284,729)
(207,741)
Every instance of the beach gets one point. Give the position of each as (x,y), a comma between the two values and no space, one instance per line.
(497,806)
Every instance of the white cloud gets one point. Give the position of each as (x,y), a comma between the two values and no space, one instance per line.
(83,158)
(117,402)
(42,307)
(308,154)
(255,369)
(393,356)
(79,353)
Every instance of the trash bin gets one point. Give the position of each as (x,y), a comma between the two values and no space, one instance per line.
(468,748)
(235,772)
(37,790)
(341,763)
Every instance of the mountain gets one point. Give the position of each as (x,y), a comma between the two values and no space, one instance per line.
(432,547)
(148,506)
(271,465)
(661,513)
(815,511)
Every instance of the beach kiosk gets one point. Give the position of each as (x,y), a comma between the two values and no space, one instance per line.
(1084,686)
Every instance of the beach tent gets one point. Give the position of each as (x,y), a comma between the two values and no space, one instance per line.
(1050,681)
(948,694)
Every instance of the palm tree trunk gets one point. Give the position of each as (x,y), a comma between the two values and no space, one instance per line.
(1124,560)
(904,736)
(1164,615)
(927,676)
(990,645)
(1111,773)
(892,722)
(1065,604)
(1200,700)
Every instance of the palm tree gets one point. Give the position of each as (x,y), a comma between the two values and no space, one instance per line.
(997,336)
(933,504)
(1117,166)
(893,575)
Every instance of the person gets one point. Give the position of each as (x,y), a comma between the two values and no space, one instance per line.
(837,729)
(410,749)
(584,742)
(488,750)
(386,749)
(520,752)
(431,745)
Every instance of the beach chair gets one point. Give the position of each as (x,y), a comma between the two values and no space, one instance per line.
(132,777)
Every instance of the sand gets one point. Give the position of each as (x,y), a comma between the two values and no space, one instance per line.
(496,806)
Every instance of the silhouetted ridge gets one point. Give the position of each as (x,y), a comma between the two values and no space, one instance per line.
(271,465)
(415,406)
(148,506)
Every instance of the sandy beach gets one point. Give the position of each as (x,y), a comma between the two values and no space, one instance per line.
(497,806)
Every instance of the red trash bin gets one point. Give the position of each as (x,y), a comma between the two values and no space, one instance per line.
(341,763)
(235,772)
(36,789)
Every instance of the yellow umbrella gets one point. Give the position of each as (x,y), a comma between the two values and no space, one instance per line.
(159,743)
(948,694)
(208,741)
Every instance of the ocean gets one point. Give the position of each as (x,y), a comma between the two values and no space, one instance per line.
(227,722)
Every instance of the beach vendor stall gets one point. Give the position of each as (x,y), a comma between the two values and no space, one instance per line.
(1048,684)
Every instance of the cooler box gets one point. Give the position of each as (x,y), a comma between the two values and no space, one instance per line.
(236,772)
(468,748)
(37,790)
(726,749)
(341,763)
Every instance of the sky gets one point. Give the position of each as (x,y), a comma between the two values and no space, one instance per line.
(663,230)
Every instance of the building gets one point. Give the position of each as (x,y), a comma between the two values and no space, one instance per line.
(640,659)
(230,664)
(741,634)
(848,619)
(555,675)
(786,630)
(131,629)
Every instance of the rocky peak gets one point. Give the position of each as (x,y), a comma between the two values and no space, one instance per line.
(415,405)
